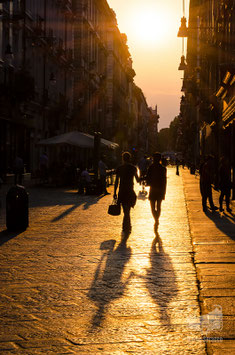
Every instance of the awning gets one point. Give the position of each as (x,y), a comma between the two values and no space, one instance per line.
(79,139)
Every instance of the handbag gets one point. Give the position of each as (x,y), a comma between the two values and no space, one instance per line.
(115,208)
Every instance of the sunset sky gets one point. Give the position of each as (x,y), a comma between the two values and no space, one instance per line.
(151,27)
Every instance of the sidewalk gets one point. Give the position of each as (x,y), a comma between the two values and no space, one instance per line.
(213,238)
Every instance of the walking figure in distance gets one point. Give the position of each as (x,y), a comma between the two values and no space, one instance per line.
(125,175)
(156,179)
(206,178)
(225,183)
(103,174)
(143,166)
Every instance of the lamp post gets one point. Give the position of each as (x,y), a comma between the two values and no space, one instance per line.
(96,153)
(7,64)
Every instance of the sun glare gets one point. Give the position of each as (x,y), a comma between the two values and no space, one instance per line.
(150,27)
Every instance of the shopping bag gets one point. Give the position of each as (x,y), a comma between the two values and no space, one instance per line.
(115,208)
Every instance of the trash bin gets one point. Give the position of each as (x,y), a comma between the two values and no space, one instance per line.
(17,210)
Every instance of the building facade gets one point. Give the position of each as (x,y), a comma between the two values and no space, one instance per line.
(37,76)
(64,66)
(207,107)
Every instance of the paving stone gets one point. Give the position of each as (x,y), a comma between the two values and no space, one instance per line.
(213,237)
(69,286)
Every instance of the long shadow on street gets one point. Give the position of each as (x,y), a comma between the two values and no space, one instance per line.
(224,222)
(107,284)
(161,280)
(6,235)
(86,201)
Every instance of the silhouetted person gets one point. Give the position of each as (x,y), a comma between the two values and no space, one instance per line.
(126,195)
(164,161)
(225,183)
(156,179)
(177,166)
(143,166)
(18,170)
(206,178)
(84,182)
(103,174)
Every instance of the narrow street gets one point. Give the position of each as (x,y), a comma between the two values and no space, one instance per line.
(69,286)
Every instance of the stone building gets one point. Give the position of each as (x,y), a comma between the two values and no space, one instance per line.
(208,109)
(103,72)
(36,76)
(64,66)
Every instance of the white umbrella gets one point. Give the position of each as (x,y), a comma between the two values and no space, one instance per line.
(80,139)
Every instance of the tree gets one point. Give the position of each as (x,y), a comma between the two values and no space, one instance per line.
(163,140)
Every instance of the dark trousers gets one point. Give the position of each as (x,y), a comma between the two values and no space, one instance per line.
(206,192)
(103,183)
(126,223)
(224,192)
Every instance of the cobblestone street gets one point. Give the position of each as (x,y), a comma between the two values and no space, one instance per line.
(69,286)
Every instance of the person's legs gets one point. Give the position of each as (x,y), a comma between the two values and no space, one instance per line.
(213,207)
(126,224)
(227,199)
(159,202)
(152,205)
(204,196)
(103,183)
(204,205)
(221,198)
(155,212)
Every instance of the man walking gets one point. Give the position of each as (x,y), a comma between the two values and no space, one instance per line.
(125,175)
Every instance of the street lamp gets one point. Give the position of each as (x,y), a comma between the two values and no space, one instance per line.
(183,64)
(183,30)
(96,153)
(8,58)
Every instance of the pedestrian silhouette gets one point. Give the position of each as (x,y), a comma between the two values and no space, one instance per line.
(103,174)
(143,166)
(156,179)
(225,183)
(164,161)
(125,175)
(177,166)
(206,179)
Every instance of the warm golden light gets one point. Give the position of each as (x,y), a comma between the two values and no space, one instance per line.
(151,26)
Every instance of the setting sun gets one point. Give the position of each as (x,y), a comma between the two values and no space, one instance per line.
(150,26)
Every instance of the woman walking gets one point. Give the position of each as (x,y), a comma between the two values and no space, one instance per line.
(125,175)
(156,179)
